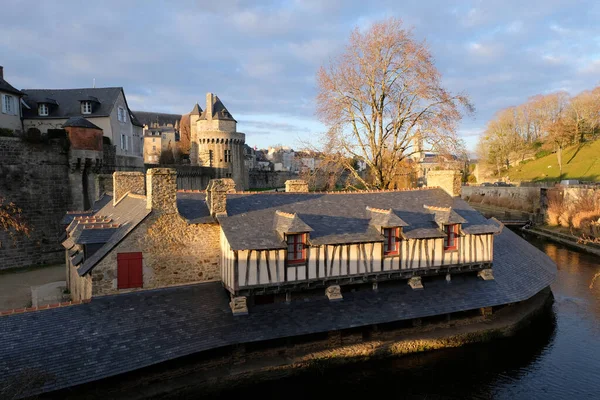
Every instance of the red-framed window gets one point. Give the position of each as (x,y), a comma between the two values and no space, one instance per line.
(391,243)
(129,270)
(451,242)
(296,248)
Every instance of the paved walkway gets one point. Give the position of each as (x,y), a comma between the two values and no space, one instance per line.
(15,286)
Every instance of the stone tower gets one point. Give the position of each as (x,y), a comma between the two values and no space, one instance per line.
(216,142)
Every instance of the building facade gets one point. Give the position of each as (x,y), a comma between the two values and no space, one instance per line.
(160,134)
(49,109)
(216,143)
(10,105)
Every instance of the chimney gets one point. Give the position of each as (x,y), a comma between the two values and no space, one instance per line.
(296,185)
(127,182)
(161,187)
(449,180)
(1,72)
(209,106)
(216,195)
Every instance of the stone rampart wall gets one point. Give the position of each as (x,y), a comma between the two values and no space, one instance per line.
(269,179)
(518,198)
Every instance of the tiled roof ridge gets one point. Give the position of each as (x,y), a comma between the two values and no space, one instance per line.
(80,212)
(285,214)
(101,226)
(190,191)
(81,88)
(343,191)
(40,308)
(379,210)
(436,208)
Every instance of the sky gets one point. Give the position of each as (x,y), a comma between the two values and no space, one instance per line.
(261,57)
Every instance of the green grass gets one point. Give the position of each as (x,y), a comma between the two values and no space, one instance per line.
(579,162)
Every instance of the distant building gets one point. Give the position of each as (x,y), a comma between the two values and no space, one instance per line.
(49,109)
(10,99)
(216,143)
(161,133)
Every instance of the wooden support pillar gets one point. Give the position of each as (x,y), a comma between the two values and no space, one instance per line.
(486,312)
(375,286)
(448,278)
(288,297)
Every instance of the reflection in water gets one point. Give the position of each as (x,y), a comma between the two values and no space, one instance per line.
(557,357)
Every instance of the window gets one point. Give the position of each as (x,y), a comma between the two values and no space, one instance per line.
(153,140)
(227,155)
(121,115)
(43,110)
(391,245)
(129,270)
(451,237)
(296,252)
(164,136)
(125,142)
(86,107)
(8,105)
(153,148)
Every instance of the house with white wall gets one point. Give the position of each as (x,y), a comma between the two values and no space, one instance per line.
(10,105)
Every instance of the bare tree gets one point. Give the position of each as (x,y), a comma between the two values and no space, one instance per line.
(381,96)
(185,142)
(12,221)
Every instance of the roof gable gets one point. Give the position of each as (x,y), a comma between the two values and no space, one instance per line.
(286,223)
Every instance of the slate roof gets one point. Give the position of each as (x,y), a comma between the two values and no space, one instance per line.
(219,111)
(341,217)
(80,122)
(69,216)
(445,215)
(68,102)
(289,223)
(192,207)
(121,333)
(163,119)
(8,88)
(93,235)
(128,213)
(196,110)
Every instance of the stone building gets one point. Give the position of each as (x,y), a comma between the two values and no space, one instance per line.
(216,143)
(10,105)
(148,235)
(161,133)
(49,109)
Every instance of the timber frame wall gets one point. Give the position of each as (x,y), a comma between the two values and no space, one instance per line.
(246,272)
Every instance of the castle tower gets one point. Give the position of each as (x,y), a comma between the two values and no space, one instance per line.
(216,142)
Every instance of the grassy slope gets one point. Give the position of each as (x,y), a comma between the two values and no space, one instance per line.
(579,162)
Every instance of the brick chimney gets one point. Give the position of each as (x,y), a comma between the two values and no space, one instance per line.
(161,188)
(1,72)
(209,106)
(127,182)
(216,195)
(296,185)
(449,180)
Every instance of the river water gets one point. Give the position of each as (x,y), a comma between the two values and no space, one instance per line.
(557,358)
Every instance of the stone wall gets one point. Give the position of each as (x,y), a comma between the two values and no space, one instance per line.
(518,198)
(36,178)
(269,179)
(449,180)
(296,185)
(128,182)
(174,253)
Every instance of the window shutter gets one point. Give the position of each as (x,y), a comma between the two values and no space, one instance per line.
(2,98)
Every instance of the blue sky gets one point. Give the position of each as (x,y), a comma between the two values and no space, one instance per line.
(261,57)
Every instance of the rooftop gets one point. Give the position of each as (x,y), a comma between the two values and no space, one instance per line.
(117,334)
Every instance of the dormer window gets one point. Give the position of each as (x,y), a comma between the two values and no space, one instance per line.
(451,242)
(391,244)
(43,110)
(296,249)
(86,107)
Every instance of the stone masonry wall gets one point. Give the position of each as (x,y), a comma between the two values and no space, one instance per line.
(448,180)
(268,179)
(124,182)
(174,253)
(296,185)
(36,178)
(514,197)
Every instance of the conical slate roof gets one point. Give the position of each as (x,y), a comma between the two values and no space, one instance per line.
(80,122)
(196,110)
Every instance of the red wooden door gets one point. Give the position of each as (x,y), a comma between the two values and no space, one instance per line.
(129,270)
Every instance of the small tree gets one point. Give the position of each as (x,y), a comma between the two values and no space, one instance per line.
(11,220)
(383,95)
(185,142)
(166,156)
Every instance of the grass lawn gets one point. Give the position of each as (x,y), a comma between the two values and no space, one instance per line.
(579,162)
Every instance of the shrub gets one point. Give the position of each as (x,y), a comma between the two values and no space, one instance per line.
(5,132)
(555,210)
(33,135)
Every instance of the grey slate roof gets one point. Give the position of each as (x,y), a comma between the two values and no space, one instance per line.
(128,213)
(196,110)
(445,215)
(68,102)
(77,258)
(289,223)
(384,218)
(340,217)
(8,88)
(88,235)
(219,111)
(80,122)
(163,119)
(121,333)
(192,207)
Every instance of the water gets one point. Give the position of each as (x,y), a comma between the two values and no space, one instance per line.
(558,358)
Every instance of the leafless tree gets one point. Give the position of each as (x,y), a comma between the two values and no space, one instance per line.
(382,95)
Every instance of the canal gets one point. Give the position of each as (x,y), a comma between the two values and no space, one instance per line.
(559,358)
